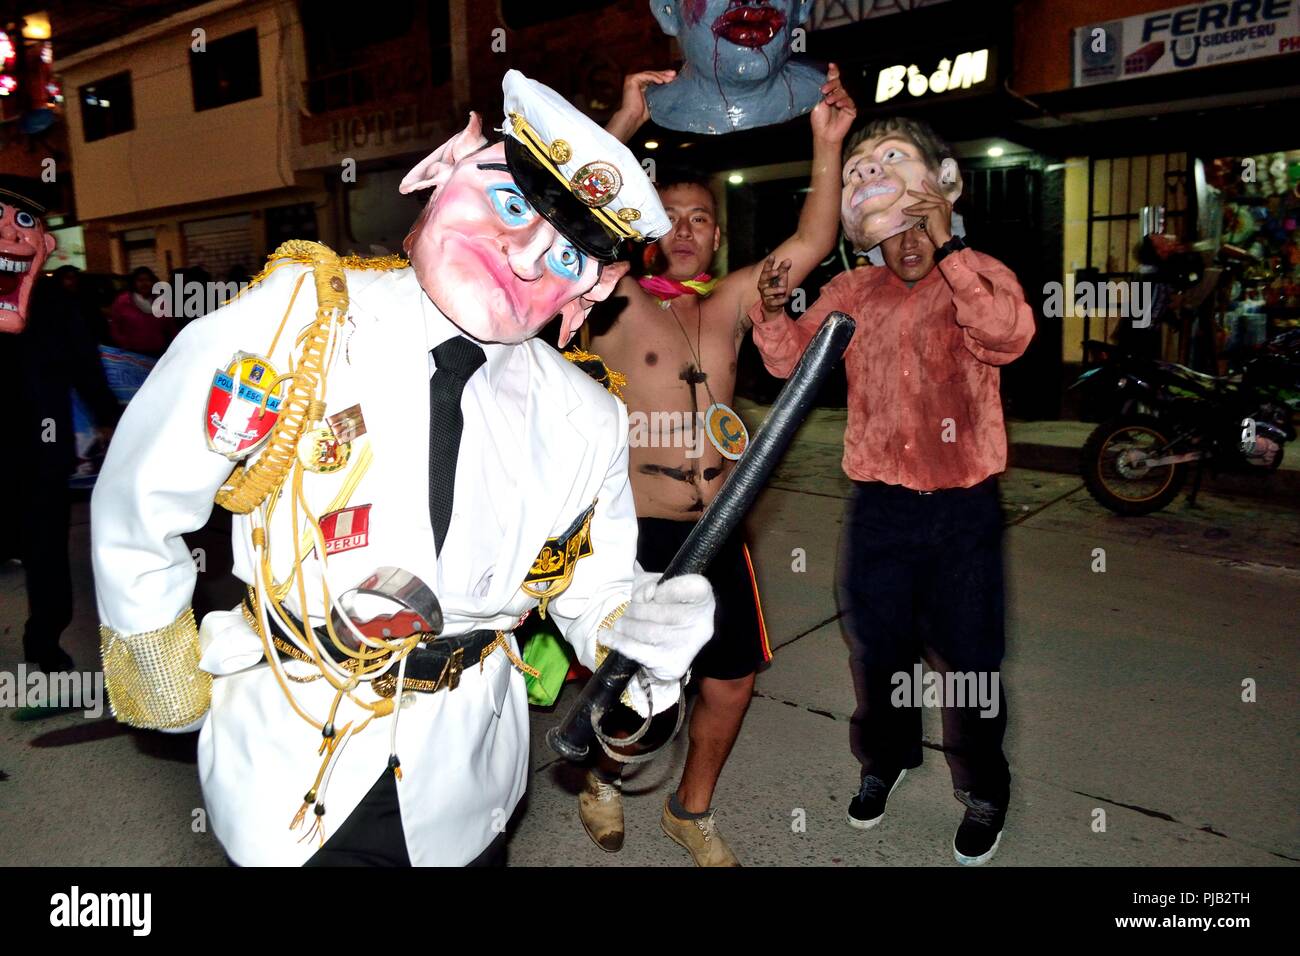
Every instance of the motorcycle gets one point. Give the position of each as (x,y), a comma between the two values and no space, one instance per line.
(1166,418)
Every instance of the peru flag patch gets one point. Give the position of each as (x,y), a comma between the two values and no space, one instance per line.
(346,529)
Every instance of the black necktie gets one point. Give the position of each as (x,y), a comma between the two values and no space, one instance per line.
(456,359)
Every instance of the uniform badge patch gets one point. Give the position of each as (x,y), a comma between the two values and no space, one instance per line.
(552,572)
(346,529)
(321,452)
(348,424)
(240,413)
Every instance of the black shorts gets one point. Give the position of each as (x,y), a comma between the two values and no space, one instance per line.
(739,644)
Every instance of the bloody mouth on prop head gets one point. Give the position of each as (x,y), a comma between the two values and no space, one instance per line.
(749,24)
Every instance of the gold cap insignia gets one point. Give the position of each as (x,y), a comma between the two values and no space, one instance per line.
(560,151)
(596,184)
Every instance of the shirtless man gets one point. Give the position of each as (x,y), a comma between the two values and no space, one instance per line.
(677,342)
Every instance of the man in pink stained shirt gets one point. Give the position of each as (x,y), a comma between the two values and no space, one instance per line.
(924,443)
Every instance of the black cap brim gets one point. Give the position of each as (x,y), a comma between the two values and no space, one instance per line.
(27,193)
(555,201)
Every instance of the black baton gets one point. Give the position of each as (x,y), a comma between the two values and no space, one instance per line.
(572,739)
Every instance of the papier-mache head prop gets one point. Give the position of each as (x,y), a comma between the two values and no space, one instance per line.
(738,73)
(883,161)
(24,246)
(520,230)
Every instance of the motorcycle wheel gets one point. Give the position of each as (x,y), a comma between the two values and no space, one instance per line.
(1113,471)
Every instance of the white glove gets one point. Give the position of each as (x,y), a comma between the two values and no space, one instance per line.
(665,624)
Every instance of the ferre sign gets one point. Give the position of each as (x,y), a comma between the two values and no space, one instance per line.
(959,73)
(393,125)
(1186,38)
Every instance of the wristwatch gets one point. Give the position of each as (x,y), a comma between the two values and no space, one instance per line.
(948,248)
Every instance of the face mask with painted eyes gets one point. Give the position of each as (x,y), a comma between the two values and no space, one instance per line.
(877,176)
(24,247)
(486,258)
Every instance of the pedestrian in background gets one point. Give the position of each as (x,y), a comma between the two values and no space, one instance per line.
(132,322)
(51,353)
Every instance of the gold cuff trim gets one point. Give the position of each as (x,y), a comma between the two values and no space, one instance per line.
(153,678)
(611,617)
(602,651)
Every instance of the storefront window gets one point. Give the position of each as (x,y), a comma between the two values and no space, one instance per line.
(1260,295)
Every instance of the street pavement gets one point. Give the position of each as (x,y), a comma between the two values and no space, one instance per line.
(1129,739)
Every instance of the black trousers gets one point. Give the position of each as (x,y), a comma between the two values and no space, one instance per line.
(372,834)
(36,533)
(922,577)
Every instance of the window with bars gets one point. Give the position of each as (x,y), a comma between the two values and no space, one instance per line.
(1118,188)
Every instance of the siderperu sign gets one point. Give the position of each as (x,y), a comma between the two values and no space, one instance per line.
(1184,38)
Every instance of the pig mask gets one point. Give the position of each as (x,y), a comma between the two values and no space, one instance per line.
(877,176)
(24,247)
(492,265)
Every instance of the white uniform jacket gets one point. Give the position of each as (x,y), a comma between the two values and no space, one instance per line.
(542,442)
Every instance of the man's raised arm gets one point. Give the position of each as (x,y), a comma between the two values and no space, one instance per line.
(633,112)
(819,221)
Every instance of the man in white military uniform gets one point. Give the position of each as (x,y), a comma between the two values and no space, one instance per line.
(400,435)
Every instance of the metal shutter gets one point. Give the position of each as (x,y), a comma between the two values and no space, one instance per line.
(218,244)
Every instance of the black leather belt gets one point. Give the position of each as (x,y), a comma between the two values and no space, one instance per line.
(429,668)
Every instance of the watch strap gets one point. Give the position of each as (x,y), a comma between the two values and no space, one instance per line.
(948,248)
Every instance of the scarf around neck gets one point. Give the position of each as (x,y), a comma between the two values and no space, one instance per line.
(664,288)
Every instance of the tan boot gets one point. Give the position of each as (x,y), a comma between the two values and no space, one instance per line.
(600,805)
(700,837)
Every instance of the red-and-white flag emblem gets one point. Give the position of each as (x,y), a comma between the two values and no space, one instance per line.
(346,529)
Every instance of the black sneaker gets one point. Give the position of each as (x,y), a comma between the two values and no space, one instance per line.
(868,807)
(980,832)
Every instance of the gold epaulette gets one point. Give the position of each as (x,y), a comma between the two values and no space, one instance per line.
(303,252)
(595,366)
(153,678)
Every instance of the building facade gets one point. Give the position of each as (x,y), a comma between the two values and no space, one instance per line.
(206,137)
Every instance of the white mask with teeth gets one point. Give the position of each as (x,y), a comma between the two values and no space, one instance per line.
(24,247)
(877,177)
